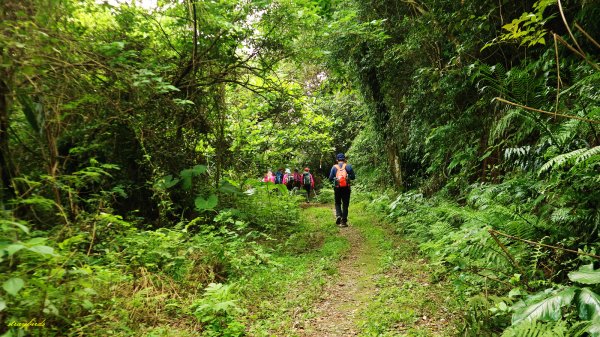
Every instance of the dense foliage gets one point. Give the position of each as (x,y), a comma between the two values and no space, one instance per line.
(133,136)
(493,108)
(132,140)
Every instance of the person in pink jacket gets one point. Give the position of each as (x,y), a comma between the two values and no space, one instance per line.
(308,181)
(269,177)
(288,179)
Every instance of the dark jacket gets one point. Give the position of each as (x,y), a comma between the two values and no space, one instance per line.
(334,169)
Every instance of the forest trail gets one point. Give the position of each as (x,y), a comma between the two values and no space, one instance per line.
(382,287)
(349,291)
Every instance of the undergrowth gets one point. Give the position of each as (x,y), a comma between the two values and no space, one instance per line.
(502,280)
(220,275)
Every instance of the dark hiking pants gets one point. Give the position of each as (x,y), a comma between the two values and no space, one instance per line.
(342,200)
(307,188)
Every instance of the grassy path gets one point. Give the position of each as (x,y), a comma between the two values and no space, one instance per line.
(346,293)
(363,280)
(382,287)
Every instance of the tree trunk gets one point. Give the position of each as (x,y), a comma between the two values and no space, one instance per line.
(382,118)
(394,163)
(6,169)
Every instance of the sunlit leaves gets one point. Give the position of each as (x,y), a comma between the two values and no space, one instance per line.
(528,29)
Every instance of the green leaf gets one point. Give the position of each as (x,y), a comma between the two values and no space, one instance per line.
(543,306)
(179,101)
(282,188)
(589,304)
(11,249)
(252,182)
(585,275)
(187,175)
(227,187)
(33,112)
(206,204)
(43,250)
(594,328)
(24,228)
(186,178)
(199,169)
(166,182)
(2,304)
(13,285)
(36,241)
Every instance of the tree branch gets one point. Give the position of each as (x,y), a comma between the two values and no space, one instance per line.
(547,112)
(495,232)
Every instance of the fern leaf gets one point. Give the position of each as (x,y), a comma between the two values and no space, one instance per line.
(588,154)
(537,329)
(560,160)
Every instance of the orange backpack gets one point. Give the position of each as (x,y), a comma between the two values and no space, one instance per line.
(341,176)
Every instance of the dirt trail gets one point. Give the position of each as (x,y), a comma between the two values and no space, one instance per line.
(347,292)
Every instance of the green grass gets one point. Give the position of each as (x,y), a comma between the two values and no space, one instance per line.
(279,297)
(399,299)
(406,303)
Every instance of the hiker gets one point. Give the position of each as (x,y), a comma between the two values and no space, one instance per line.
(288,179)
(340,175)
(297,179)
(279,176)
(269,177)
(308,182)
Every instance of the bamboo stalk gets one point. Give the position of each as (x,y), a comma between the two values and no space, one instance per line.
(562,14)
(557,74)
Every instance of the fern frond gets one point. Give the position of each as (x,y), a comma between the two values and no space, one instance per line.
(562,215)
(519,229)
(561,160)
(588,154)
(568,130)
(537,329)
(501,126)
(439,229)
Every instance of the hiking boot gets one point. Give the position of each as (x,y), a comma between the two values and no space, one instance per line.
(338,220)
(344,223)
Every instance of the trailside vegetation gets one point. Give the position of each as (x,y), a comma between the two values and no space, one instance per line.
(132,139)
(486,115)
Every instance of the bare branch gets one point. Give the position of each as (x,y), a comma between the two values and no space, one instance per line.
(495,232)
(588,36)
(547,112)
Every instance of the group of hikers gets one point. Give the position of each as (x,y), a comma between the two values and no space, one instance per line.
(340,176)
(292,180)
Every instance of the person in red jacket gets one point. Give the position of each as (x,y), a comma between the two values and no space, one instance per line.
(340,175)
(308,181)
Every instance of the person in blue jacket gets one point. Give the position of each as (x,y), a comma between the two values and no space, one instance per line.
(340,175)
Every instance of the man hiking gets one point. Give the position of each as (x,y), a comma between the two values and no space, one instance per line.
(309,183)
(340,175)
